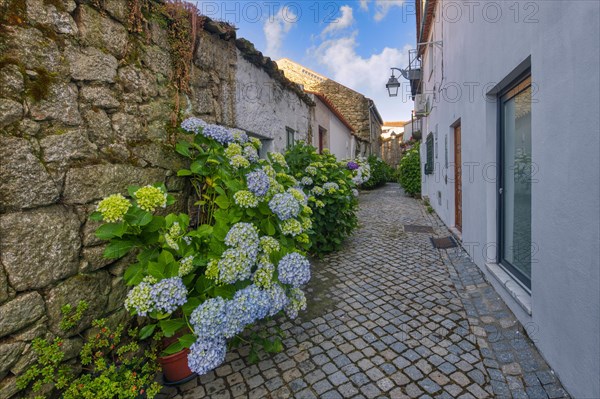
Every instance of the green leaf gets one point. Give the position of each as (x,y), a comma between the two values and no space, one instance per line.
(111,230)
(157,223)
(147,331)
(184,172)
(166,257)
(96,216)
(220,190)
(170,327)
(269,227)
(253,356)
(157,270)
(197,167)
(264,209)
(202,284)
(225,291)
(173,348)
(134,274)
(222,202)
(118,249)
(203,231)
(132,189)
(183,148)
(138,217)
(187,340)
(191,305)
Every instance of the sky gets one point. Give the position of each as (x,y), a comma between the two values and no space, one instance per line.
(353,42)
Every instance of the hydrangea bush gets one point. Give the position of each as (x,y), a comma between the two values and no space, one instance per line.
(332,196)
(379,173)
(240,260)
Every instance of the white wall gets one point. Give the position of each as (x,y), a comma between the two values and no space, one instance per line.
(339,139)
(562,40)
(265,109)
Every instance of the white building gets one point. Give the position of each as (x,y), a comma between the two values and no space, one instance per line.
(509,100)
(267,109)
(330,130)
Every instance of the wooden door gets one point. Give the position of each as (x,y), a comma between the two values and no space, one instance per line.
(457,180)
(321,139)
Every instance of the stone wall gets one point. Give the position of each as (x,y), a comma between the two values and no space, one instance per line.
(85,110)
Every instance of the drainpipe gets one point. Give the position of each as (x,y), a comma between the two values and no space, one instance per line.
(370,128)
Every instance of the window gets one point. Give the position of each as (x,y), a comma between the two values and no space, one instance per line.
(290,137)
(429,164)
(515,180)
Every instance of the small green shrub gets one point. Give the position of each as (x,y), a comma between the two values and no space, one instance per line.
(332,196)
(114,364)
(380,173)
(410,171)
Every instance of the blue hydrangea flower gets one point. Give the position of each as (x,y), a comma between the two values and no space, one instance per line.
(316,190)
(193,124)
(239,136)
(236,265)
(285,206)
(294,269)
(139,299)
(298,194)
(258,183)
(206,355)
(306,181)
(209,318)
(247,306)
(331,187)
(220,134)
(242,234)
(297,302)
(250,153)
(278,299)
(168,294)
(311,170)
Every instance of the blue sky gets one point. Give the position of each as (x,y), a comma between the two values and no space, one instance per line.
(352,42)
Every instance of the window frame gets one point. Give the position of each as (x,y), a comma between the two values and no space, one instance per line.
(289,131)
(512,89)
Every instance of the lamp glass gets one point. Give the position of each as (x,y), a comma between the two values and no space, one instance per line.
(392,86)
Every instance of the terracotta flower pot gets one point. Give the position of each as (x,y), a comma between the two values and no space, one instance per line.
(175,367)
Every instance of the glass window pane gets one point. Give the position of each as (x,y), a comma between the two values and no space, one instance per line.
(516,212)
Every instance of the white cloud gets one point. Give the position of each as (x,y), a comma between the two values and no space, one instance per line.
(344,21)
(382,7)
(276,28)
(369,75)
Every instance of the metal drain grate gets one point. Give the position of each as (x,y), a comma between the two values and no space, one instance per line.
(443,243)
(415,228)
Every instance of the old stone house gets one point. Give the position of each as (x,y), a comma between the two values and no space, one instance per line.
(357,109)
(87,102)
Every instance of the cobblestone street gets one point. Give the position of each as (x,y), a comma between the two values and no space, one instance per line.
(390,316)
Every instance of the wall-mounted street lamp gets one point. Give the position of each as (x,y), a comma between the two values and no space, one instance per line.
(412,73)
(393,84)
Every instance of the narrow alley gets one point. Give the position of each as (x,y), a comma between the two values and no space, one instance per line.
(390,316)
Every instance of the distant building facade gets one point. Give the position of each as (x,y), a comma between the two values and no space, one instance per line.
(360,111)
(392,136)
